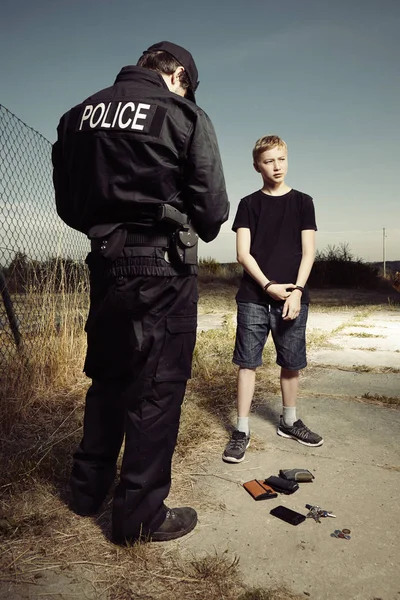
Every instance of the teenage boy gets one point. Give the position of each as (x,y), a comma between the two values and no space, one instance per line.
(275,240)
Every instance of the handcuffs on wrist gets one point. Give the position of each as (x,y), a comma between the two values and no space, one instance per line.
(272,282)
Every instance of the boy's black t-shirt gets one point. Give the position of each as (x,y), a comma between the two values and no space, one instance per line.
(275,224)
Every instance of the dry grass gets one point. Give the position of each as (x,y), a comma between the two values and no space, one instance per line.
(381,399)
(366,349)
(359,368)
(368,369)
(216,296)
(362,334)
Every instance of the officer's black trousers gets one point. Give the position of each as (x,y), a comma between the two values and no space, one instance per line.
(141,335)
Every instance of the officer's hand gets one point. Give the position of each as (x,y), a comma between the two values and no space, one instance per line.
(280,291)
(291,308)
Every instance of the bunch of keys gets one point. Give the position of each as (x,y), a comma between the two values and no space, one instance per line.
(316,512)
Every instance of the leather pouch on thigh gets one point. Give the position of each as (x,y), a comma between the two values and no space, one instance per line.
(175,362)
(259,490)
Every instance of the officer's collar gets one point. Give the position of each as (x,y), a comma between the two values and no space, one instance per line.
(133,73)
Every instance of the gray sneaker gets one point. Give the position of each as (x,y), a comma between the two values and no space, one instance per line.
(298,431)
(236,447)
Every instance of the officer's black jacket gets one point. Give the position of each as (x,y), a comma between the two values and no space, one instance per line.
(132,146)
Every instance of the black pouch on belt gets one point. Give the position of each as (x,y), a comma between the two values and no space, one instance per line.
(283,486)
(108,240)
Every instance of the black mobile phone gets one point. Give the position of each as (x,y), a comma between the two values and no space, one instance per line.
(288,515)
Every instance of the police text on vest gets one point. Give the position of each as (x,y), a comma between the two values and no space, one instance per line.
(114,115)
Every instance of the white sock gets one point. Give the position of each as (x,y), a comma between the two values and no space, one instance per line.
(289,415)
(243,425)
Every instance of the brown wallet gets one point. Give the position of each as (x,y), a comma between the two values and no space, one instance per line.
(259,490)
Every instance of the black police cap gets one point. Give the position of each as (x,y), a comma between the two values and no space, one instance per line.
(185,59)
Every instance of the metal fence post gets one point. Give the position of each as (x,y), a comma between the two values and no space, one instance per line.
(8,305)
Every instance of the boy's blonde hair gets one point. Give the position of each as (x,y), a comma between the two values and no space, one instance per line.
(267,142)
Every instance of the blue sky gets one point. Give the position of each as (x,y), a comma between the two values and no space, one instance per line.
(323,75)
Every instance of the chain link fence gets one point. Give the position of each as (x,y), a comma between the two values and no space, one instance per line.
(39,254)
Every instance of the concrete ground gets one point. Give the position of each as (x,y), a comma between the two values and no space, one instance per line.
(357,474)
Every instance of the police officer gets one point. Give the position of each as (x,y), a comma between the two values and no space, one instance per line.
(137,168)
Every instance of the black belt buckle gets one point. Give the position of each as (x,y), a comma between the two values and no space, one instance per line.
(146,239)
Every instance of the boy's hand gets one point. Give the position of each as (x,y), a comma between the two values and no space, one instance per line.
(280,291)
(291,308)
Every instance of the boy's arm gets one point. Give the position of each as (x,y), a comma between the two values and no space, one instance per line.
(292,305)
(307,261)
(278,291)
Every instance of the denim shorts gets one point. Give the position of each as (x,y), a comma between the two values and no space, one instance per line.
(255,321)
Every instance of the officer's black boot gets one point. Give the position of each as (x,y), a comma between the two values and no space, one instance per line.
(177,522)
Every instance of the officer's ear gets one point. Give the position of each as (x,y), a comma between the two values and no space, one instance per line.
(176,85)
(176,75)
(255,165)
